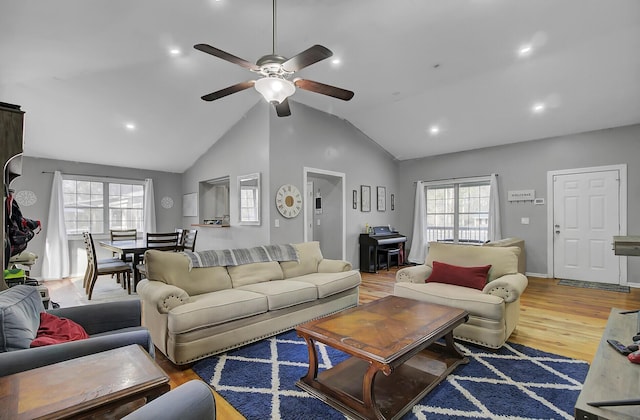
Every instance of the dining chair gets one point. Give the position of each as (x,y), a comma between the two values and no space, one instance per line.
(160,241)
(180,235)
(189,240)
(97,268)
(164,241)
(102,261)
(123,235)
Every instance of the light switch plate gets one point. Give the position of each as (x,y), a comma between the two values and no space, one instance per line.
(524,220)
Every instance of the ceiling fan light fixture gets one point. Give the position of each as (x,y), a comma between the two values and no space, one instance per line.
(275,89)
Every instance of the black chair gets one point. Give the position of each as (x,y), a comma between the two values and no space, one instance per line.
(123,235)
(160,242)
(167,241)
(189,240)
(388,253)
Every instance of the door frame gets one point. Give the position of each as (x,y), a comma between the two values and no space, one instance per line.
(622,216)
(342,176)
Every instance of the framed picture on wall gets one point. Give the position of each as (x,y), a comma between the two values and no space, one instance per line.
(365,198)
(382,199)
(355,199)
(190,205)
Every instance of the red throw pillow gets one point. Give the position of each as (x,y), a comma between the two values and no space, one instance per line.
(55,330)
(475,277)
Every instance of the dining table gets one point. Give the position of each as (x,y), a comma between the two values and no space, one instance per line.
(136,248)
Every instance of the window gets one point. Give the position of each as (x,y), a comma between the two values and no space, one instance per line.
(458,212)
(249,204)
(96,206)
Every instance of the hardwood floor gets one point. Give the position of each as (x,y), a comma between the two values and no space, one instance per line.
(564,320)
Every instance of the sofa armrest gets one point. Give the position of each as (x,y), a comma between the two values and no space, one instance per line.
(333,266)
(191,400)
(103,317)
(164,296)
(20,360)
(415,274)
(509,287)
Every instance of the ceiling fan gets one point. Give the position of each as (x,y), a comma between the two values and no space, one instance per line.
(276,71)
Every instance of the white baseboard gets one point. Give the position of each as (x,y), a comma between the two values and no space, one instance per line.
(544,276)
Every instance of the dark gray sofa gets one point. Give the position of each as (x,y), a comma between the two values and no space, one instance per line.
(109,325)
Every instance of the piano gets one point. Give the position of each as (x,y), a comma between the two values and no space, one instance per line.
(379,237)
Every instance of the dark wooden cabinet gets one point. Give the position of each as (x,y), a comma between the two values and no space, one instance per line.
(11,129)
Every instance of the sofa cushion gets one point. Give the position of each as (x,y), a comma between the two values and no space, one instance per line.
(173,268)
(331,283)
(309,256)
(284,293)
(20,308)
(215,308)
(475,277)
(472,300)
(503,260)
(244,274)
(56,330)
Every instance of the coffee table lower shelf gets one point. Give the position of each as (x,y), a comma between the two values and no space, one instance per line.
(342,386)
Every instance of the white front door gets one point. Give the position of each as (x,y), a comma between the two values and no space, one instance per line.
(586,217)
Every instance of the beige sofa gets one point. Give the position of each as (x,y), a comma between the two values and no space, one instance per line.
(493,311)
(198,312)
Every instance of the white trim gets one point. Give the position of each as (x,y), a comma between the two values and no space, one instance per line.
(622,197)
(457,181)
(541,275)
(105,179)
(342,176)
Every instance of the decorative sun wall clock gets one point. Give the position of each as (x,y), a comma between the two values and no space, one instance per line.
(25,198)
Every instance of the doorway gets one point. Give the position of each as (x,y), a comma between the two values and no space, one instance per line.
(587,207)
(325,211)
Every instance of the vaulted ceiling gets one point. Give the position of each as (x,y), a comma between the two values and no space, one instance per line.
(83,70)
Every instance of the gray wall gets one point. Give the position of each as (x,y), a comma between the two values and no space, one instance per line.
(33,179)
(525,166)
(314,139)
(244,149)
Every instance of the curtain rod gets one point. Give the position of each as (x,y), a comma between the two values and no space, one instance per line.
(97,176)
(453,179)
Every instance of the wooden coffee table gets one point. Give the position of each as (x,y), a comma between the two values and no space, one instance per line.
(392,335)
(88,386)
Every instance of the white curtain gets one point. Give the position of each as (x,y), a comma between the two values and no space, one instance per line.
(494,233)
(149,208)
(56,264)
(419,245)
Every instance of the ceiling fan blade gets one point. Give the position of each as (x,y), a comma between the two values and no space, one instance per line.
(323,89)
(226,56)
(228,91)
(282,109)
(307,57)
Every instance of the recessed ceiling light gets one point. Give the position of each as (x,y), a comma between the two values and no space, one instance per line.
(335,61)
(130,126)
(175,51)
(434,130)
(538,108)
(525,50)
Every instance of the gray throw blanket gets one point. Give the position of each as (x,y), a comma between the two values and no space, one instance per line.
(231,257)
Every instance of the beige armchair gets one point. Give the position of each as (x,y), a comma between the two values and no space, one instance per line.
(493,311)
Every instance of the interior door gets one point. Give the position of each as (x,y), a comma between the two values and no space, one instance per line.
(586,216)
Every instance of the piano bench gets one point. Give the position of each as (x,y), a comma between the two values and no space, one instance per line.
(388,253)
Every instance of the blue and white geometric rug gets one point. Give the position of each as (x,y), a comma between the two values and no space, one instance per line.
(516,382)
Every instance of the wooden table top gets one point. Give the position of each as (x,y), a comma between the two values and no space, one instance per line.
(385,329)
(69,388)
